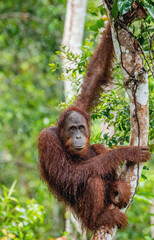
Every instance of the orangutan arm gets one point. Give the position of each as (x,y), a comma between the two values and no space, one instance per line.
(111,159)
(55,166)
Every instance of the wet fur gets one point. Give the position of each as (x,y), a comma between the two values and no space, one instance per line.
(87,182)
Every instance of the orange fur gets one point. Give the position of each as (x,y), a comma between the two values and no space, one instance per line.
(87,182)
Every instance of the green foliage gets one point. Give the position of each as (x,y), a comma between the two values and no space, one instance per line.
(124,6)
(94,23)
(30,33)
(114,109)
(77,69)
(18,222)
(115,9)
(150,8)
(28,92)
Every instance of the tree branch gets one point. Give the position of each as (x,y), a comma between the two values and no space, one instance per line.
(23,15)
(125,27)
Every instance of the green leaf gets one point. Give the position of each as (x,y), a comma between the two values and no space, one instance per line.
(100,23)
(143,176)
(115,9)
(58,52)
(111,115)
(12,189)
(143,199)
(14,199)
(150,10)
(94,13)
(94,28)
(148,194)
(145,168)
(5,190)
(124,6)
(148,238)
(105,136)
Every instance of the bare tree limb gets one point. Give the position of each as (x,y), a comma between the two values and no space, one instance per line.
(23,15)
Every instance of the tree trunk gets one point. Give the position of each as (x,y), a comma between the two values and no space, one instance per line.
(72,40)
(136,85)
(72,37)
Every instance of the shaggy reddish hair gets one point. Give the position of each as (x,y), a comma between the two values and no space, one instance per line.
(88,184)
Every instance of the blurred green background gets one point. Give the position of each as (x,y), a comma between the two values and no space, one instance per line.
(30,34)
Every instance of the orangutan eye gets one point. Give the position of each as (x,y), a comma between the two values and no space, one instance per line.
(72,129)
(82,128)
